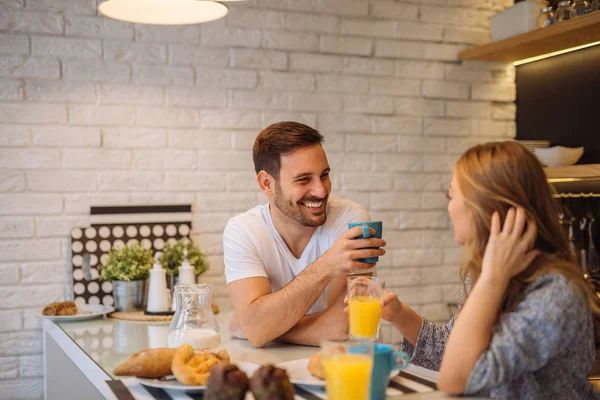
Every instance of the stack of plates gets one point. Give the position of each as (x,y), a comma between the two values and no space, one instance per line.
(531,144)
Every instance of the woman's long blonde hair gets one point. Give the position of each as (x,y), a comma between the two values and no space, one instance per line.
(500,175)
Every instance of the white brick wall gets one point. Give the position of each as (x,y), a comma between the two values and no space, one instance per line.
(98,112)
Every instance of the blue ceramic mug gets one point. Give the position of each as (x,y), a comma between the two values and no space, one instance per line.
(377,227)
(385,361)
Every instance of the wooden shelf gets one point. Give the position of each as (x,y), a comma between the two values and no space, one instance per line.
(562,35)
(583,171)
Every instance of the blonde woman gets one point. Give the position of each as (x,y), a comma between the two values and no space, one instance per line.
(526,323)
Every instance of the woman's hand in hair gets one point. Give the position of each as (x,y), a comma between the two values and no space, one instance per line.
(509,248)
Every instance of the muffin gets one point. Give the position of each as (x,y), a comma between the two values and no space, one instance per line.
(271,383)
(226,382)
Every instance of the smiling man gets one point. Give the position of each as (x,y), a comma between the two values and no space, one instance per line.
(286,261)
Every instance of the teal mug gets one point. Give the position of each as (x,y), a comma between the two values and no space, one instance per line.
(377,227)
(385,361)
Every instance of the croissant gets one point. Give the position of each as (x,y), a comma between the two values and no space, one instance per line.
(191,368)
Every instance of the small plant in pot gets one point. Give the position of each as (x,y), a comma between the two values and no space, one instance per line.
(128,267)
(173,255)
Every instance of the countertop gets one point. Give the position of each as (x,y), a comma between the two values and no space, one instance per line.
(97,346)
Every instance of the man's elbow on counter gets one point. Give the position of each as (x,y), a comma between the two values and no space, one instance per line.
(257,340)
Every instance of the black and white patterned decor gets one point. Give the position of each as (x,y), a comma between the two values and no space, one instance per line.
(152,226)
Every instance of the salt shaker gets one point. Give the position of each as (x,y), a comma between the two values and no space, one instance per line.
(158,294)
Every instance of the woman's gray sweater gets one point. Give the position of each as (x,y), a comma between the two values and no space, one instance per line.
(544,349)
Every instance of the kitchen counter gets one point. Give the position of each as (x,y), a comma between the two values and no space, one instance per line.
(79,356)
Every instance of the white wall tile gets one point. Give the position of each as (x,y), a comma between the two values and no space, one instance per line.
(12,181)
(17,21)
(66,47)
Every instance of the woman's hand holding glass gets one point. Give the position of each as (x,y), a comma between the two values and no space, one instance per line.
(390,306)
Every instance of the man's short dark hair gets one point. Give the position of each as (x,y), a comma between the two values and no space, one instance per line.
(280,139)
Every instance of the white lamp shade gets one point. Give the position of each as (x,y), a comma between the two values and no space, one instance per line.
(163,12)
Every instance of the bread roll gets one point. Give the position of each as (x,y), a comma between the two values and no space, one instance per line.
(316,366)
(150,363)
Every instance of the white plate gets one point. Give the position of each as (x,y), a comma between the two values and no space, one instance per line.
(247,367)
(86,311)
(298,373)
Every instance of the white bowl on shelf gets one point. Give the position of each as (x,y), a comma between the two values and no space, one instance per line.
(557,156)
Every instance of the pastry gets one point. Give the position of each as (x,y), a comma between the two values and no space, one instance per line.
(50,309)
(271,383)
(226,382)
(221,354)
(67,308)
(193,368)
(316,367)
(60,308)
(150,363)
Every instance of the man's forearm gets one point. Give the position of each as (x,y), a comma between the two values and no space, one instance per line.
(272,315)
(304,331)
(331,324)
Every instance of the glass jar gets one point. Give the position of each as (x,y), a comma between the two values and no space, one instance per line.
(564,11)
(194,322)
(581,7)
(546,18)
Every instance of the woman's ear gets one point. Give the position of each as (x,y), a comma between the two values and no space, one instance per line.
(266,183)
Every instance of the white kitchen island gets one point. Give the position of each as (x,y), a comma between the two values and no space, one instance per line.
(79,357)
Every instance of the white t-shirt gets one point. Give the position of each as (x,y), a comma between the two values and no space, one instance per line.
(253,247)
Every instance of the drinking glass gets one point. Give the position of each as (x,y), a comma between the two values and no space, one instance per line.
(348,367)
(364,306)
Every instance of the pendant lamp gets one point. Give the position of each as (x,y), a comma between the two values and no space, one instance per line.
(163,12)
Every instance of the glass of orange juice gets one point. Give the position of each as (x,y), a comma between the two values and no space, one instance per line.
(348,366)
(364,306)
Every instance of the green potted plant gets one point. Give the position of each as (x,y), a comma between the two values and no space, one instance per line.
(127,267)
(172,257)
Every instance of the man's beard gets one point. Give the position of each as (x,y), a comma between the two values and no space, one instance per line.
(295,213)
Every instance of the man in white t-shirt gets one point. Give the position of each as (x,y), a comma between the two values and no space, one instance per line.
(286,262)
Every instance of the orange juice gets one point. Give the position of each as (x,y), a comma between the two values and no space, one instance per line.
(364,312)
(348,376)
